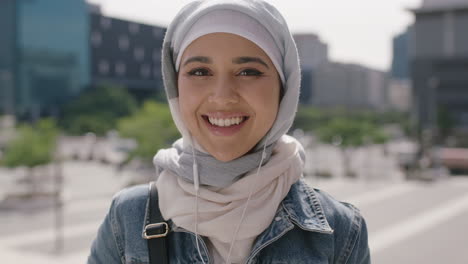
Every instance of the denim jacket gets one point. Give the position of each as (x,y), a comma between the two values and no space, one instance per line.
(309,227)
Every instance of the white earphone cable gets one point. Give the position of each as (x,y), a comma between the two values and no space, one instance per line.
(233,241)
(196,184)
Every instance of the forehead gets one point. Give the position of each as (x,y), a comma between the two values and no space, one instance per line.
(223,44)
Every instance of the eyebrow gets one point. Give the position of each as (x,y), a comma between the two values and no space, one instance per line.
(241,60)
(202,59)
(238,60)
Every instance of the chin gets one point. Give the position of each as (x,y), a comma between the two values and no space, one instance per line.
(226,156)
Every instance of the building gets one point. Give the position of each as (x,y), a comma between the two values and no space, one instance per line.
(349,86)
(42,62)
(399,87)
(125,53)
(439,65)
(377,90)
(51,51)
(312,53)
(332,84)
(399,94)
(401,55)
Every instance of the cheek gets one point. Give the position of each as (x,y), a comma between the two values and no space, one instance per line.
(187,103)
(266,102)
(270,96)
(272,106)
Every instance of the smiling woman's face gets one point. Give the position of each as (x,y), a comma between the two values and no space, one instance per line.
(228,94)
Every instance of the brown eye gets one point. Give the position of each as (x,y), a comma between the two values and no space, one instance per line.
(199,72)
(250,72)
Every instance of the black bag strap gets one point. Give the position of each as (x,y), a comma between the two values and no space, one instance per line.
(156,230)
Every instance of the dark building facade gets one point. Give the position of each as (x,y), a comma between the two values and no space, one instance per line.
(44,54)
(126,53)
(7,55)
(312,53)
(439,66)
(50,51)
(401,55)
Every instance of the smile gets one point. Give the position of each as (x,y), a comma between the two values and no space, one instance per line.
(225,125)
(226,122)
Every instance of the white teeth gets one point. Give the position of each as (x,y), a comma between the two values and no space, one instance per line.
(225,122)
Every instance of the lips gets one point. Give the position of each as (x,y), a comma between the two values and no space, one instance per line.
(222,124)
(226,122)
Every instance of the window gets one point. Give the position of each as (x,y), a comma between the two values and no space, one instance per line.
(139,53)
(157,32)
(134,28)
(464,119)
(124,42)
(103,67)
(156,73)
(96,39)
(120,68)
(105,22)
(145,70)
(156,55)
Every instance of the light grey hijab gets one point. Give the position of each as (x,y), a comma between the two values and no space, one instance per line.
(185,152)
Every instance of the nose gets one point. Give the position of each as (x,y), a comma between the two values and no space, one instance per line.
(224,92)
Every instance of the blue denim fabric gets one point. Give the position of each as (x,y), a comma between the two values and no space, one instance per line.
(309,227)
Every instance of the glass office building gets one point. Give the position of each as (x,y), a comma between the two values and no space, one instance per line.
(44,59)
(7,61)
(439,66)
(126,54)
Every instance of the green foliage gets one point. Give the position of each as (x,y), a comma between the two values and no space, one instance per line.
(97,110)
(152,127)
(309,118)
(350,133)
(354,127)
(34,145)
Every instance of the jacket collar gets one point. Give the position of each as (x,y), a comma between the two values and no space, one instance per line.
(304,209)
(300,206)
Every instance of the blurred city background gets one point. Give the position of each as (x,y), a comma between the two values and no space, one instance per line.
(82,112)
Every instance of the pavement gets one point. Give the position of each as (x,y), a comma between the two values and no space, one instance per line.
(408,221)
(88,191)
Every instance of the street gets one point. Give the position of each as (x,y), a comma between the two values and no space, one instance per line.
(408,222)
(411,222)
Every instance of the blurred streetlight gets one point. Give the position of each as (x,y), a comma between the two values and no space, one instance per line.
(58,182)
(430,129)
(432,84)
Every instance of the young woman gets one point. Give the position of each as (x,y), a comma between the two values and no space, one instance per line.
(231,187)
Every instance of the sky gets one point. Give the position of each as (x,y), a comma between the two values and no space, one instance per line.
(356,31)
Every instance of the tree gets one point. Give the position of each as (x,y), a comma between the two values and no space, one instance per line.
(97,110)
(152,127)
(33,146)
(349,134)
(309,118)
